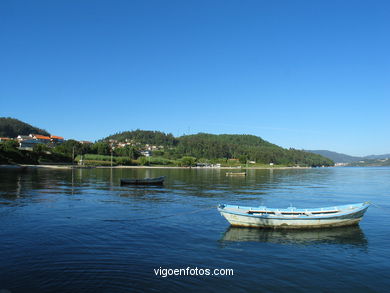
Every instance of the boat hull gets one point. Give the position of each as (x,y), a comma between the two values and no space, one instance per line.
(274,222)
(236,174)
(146,181)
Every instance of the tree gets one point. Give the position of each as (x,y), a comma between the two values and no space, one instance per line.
(102,148)
(188,161)
(69,148)
(9,145)
(243,159)
(145,137)
(143,161)
(128,151)
(40,148)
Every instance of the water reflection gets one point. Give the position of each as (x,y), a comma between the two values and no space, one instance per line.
(188,182)
(139,191)
(352,235)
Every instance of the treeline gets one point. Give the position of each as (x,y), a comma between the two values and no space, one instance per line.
(185,150)
(10,154)
(246,148)
(10,127)
(72,148)
(71,151)
(145,137)
(211,147)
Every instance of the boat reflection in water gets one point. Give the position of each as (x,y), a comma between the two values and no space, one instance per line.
(351,235)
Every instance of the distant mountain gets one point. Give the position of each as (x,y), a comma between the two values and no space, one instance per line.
(377,157)
(10,127)
(371,163)
(336,157)
(372,160)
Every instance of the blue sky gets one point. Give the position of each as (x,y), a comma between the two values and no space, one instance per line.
(302,74)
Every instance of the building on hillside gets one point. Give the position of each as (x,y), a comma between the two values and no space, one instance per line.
(5,139)
(23,137)
(41,138)
(150,147)
(85,142)
(131,141)
(340,164)
(146,153)
(123,144)
(56,139)
(28,144)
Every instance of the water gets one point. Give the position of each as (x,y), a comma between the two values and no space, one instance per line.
(79,231)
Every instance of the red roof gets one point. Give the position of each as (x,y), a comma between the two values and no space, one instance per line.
(56,137)
(38,136)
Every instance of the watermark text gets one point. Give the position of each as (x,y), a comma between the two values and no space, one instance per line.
(166,272)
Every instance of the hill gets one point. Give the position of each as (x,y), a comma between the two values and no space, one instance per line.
(371,163)
(224,146)
(245,147)
(201,146)
(377,157)
(10,127)
(372,160)
(205,145)
(145,137)
(336,157)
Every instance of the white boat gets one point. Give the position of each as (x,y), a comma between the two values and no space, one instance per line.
(293,218)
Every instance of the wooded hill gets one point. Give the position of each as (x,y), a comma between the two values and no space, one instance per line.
(10,127)
(201,147)
(145,137)
(229,146)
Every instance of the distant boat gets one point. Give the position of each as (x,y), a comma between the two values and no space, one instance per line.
(235,173)
(293,218)
(144,181)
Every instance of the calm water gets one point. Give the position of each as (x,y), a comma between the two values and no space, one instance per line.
(79,231)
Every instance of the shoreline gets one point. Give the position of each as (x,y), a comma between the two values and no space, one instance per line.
(65,167)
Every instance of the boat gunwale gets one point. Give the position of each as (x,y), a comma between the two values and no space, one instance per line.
(279,215)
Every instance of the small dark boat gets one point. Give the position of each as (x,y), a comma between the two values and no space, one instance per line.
(235,173)
(144,181)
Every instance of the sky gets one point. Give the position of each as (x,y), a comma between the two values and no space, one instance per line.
(301,74)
